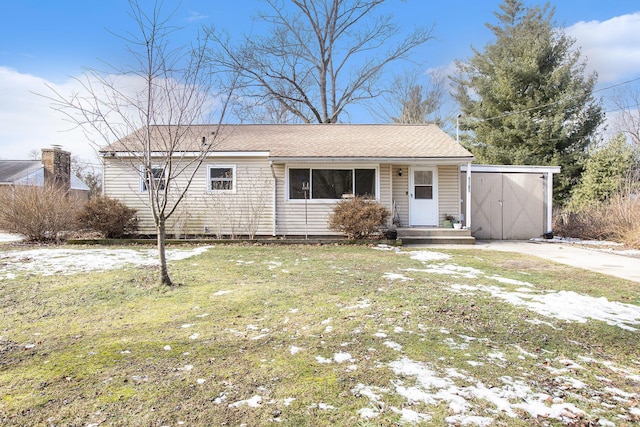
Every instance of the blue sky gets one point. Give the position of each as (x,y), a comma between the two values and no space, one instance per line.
(49,42)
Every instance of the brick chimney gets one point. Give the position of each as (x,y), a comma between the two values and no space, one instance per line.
(57,167)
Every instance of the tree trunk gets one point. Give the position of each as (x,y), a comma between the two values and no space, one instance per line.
(164,272)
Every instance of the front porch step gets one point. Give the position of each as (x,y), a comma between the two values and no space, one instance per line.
(435,236)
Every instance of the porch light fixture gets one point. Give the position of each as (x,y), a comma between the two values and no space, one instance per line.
(400,172)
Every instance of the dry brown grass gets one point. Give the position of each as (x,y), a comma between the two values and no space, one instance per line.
(616,219)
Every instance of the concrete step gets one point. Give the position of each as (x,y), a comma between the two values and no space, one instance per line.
(426,236)
(439,240)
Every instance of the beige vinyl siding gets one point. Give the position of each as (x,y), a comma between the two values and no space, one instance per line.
(449,191)
(400,188)
(249,206)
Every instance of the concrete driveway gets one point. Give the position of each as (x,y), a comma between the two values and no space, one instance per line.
(618,264)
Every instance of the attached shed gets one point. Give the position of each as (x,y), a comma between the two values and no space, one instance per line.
(508,202)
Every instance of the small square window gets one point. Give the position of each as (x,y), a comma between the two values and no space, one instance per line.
(159,178)
(221,178)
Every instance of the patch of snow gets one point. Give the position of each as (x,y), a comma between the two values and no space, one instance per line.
(194,336)
(432,389)
(10,237)
(368,413)
(409,416)
(449,269)
(219,293)
(396,276)
(201,381)
(252,402)
(383,247)
(342,357)
(323,360)
(572,307)
(365,303)
(393,345)
(425,256)
(56,261)
(294,350)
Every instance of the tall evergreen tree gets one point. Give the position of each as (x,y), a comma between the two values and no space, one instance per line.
(526,98)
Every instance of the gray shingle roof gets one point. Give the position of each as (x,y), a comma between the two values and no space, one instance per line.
(15,170)
(30,172)
(315,140)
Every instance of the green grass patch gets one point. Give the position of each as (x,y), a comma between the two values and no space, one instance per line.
(313,335)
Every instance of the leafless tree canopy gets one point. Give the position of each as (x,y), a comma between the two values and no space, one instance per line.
(319,57)
(415,98)
(149,108)
(627,119)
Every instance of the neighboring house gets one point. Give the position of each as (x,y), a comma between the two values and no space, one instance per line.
(255,178)
(53,169)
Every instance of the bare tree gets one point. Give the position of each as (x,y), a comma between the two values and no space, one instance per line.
(87,174)
(416,98)
(627,119)
(151,122)
(319,57)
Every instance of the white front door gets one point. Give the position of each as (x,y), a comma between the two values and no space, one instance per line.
(423,196)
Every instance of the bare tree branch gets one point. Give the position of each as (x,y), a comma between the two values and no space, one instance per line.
(148,111)
(320,56)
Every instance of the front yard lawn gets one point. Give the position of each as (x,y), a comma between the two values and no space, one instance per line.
(313,335)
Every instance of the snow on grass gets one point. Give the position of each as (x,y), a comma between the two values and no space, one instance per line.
(252,402)
(571,306)
(422,384)
(396,276)
(9,237)
(55,261)
(563,305)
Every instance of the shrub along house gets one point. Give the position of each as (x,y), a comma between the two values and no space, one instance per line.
(284,180)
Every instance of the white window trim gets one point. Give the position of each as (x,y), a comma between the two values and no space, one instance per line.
(329,166)
(234,181)
(143,177)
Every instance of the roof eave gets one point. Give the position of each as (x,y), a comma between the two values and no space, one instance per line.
(381,160)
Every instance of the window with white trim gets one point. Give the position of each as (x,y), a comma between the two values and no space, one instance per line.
(221,178)
(331,184)
(159,178)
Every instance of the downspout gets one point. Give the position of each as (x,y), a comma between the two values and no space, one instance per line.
(468,204)
(275,199)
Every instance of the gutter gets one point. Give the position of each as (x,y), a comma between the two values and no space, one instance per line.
(379,160)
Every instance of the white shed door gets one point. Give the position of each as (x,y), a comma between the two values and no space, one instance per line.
(423,197)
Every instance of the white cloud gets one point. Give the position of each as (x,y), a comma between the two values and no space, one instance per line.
(28,121)
(611,47)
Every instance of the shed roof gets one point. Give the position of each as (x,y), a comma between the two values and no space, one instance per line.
(328,141)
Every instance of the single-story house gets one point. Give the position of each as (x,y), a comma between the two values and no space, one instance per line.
(284,180)
(53,169)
